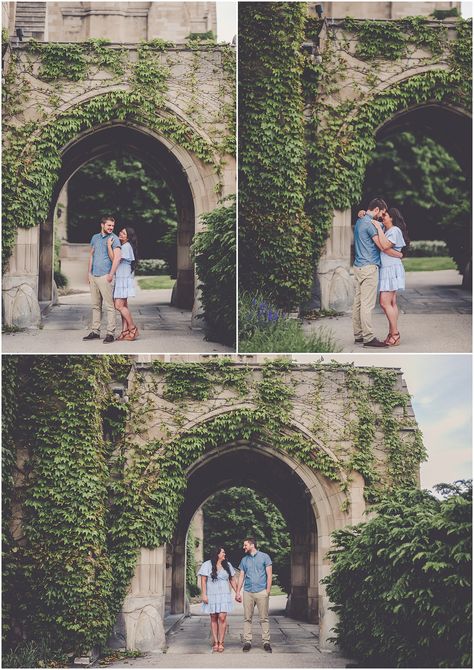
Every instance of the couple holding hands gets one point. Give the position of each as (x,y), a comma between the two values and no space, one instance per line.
(217,579)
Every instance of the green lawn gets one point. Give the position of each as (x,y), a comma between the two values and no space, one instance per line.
(429,263)
(155,281)
(277,591)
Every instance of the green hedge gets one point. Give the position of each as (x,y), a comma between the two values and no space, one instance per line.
(401,582)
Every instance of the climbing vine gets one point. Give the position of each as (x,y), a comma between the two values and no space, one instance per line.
(32,149)
(274,232)
(339,131)
(104,472)
(342,137)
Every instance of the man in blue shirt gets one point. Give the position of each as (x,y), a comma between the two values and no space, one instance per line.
(101,274)
(256,569)
(369,240)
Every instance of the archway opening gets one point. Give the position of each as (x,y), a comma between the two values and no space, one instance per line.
(125,139)
(422,166)
(124,185)
(268,476)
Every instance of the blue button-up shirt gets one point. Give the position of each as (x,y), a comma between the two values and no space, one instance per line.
(366,251)
(254,568)
(101,263)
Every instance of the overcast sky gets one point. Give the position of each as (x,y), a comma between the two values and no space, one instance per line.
(441,386)
(226,20)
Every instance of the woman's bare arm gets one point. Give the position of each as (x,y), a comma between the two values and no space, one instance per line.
(204,589)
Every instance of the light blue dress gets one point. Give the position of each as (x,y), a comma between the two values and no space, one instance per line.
(219,591)
(392,272)
(124,277)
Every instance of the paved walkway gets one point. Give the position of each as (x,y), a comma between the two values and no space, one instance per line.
(435,317)
(295,644)
(163,329)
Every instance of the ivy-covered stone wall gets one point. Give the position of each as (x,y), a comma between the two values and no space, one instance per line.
(93,476)
(54,93)
(352,77)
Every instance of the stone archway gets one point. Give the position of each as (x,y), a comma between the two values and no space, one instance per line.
(178,168)
(434,118)
(311,504)
(182,131)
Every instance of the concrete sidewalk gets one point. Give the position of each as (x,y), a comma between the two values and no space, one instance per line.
(163,329)
(295,644)
(435,317)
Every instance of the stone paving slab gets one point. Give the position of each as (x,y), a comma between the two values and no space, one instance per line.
(233,660)
(163,329)
(294,644)
(435,317)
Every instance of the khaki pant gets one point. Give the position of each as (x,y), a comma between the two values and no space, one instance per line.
(102,294)
(366,283)
(261,599)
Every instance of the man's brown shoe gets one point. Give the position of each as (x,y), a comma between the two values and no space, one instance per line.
(376,343)
(358,340)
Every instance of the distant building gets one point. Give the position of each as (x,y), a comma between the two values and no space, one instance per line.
(380,10)
(125,22)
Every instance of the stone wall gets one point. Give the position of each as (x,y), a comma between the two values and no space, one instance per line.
(356,82)
(198,95)
(124,22)
(323,412)
(381,10)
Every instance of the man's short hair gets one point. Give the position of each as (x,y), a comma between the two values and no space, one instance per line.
(107,218)
(251,540)
(377,203)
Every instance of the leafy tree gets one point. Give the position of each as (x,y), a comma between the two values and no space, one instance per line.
(400,583)
(417,175)
(238,512)
(131,191)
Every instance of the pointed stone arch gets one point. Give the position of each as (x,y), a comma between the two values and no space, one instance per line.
(316,507)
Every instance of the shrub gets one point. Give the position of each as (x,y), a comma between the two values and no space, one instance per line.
(214,250)
(34,655)
(60,279)
(401,582)
(265,328)
(152,266)
(428,248)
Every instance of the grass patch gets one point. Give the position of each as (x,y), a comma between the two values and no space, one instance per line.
(13,329)
(277,591)
(287,336)
(429,263)
(32,654)
(151,282)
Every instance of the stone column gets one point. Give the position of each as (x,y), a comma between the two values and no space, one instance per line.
(178,584)
(334,266)
(20,284)
(298,600)
(140,624)
(197,527)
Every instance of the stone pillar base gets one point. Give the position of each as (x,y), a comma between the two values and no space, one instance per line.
(20,302)
(139,626)
(334,266)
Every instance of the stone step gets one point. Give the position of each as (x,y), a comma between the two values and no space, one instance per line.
(31,18)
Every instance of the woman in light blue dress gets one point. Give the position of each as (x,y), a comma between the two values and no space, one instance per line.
(392,272)
(124,281)
(217,578)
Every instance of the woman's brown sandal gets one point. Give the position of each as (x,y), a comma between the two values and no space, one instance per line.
(132,334)
(393,340)
(123,334)
(221,646)
(215,646)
